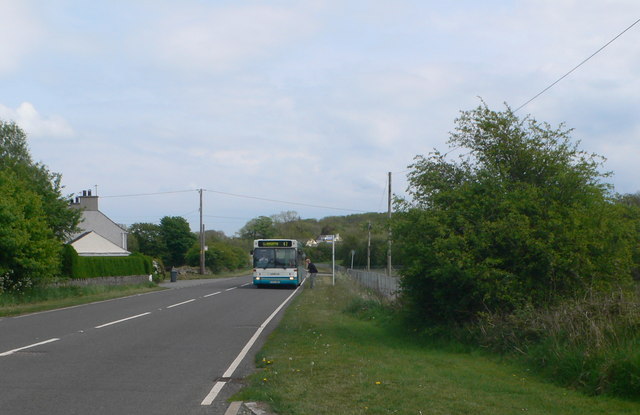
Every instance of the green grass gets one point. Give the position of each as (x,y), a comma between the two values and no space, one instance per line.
(337,352)
(50,298)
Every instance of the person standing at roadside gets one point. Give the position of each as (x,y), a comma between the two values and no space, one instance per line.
(312,270)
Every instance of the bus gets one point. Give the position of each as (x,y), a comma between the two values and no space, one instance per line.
(278,262)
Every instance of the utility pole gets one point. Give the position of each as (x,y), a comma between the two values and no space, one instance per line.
(369,249)
(333,259)
(389,240)
(201,237)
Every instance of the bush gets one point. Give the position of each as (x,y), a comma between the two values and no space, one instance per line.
(320,253)
(589,343)
(75,266)
(522,218)
(29,251)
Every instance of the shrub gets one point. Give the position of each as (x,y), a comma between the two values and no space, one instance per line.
(29,251)
(589,343)
(76,266)
(522,218)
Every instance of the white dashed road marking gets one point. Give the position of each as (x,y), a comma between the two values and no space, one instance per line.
(27,347)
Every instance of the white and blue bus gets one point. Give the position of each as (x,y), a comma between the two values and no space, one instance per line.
(278,262)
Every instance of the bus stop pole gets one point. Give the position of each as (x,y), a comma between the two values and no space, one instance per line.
(333,258)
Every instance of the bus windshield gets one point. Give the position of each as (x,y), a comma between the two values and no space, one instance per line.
(274,258)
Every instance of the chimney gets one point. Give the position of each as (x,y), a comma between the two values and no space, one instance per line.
(86,201)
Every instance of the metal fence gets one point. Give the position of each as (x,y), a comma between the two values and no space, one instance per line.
(381,283)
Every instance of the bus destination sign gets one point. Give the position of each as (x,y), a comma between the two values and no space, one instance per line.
(274,244)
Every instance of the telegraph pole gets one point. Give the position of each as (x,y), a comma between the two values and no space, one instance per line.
(389,240)
(201,237)
(333,259)
(369,249)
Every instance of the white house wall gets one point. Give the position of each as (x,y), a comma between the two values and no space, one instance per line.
(94,220)
(92,244)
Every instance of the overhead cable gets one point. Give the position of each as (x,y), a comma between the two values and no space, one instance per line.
(577,66)
(284,201)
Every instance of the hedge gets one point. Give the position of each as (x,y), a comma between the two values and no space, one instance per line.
(77,267)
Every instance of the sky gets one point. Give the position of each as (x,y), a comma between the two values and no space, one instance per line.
(304,106)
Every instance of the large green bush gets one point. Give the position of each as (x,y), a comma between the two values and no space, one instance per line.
(75,266)
(522,218)
(29,251)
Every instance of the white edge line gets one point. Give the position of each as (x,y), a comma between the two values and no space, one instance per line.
(210,295)
(121,320)
(10,352)
(184,302)
(243,353)
(217,387)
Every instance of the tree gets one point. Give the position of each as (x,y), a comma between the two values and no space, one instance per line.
(219,257)
(522,218)
(14,156)
(149,239)
(258,228)
(285,217)
(35,218)
(177,238)
(29,252)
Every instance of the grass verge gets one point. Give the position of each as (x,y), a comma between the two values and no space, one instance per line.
(50,298)
(336,351)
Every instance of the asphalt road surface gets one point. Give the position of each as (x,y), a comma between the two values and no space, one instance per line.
(178,351)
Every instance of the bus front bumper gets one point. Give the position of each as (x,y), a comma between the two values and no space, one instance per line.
(275,281)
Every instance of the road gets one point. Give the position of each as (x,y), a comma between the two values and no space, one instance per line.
(166,352)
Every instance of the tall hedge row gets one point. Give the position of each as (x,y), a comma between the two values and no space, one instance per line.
(78,267)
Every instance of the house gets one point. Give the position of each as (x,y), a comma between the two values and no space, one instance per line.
(329,238)
(98,235)
(91,244)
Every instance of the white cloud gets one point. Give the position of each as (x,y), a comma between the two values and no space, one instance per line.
(36,125)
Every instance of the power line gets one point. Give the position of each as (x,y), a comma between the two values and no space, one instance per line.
(236,195)
(150,194)
(577,66)
(284,201)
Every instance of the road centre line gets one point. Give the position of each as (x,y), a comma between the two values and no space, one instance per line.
(121,320)
(212,294)
(10,352)
(217,387)
(184,302)
(232,288)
